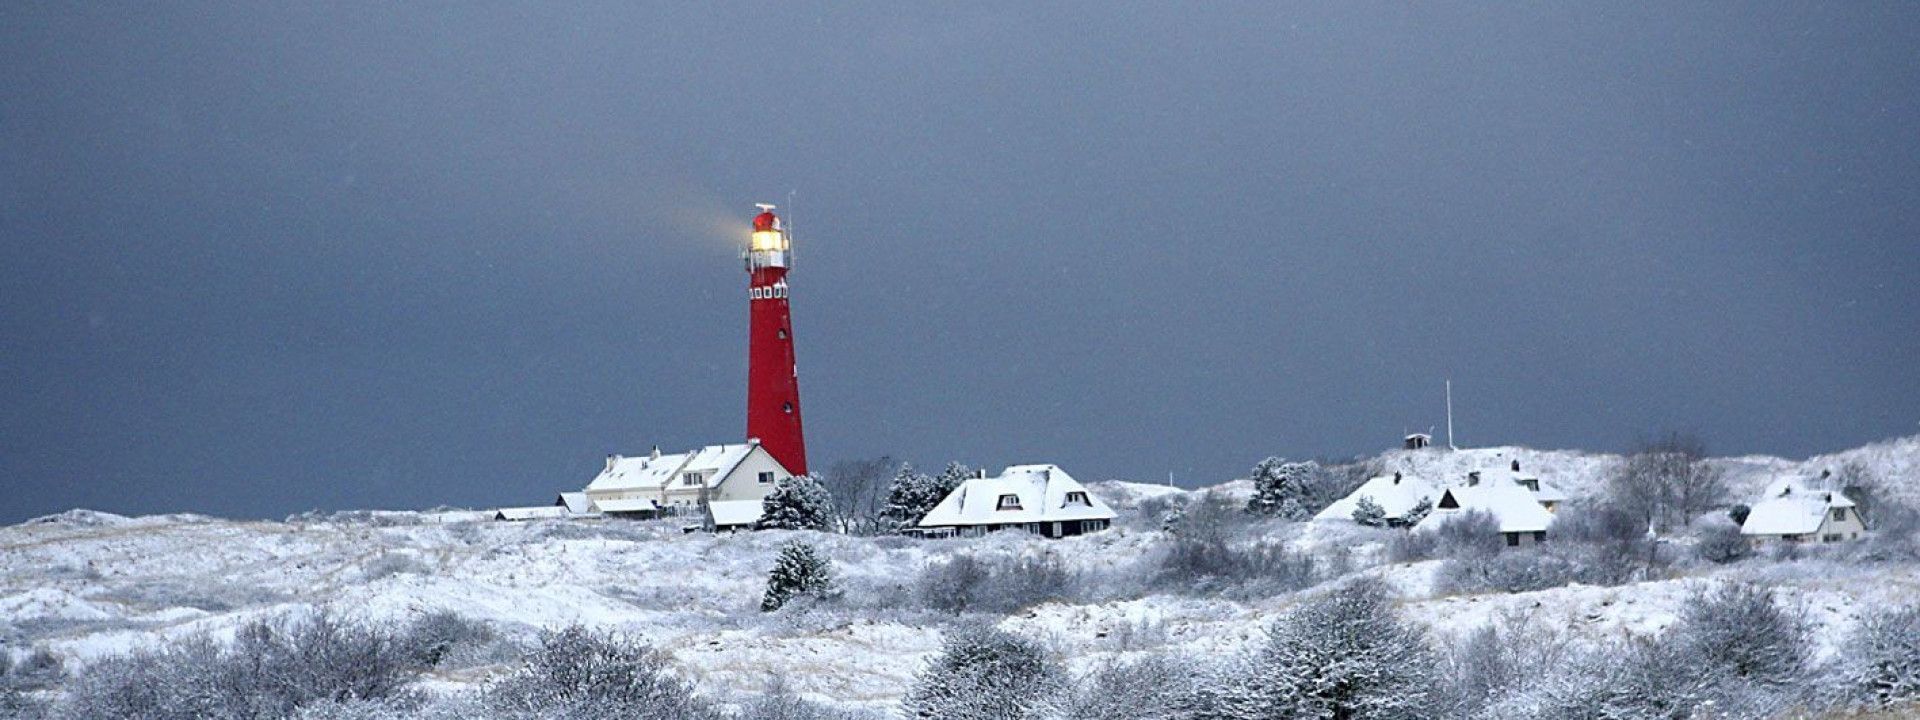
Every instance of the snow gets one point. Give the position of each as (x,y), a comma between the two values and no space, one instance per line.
(1396,494)
(1512,505)
(1793,510)
(1042,492)
(651,472)
(735,512)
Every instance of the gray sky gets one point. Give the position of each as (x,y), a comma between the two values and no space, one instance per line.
(268,258)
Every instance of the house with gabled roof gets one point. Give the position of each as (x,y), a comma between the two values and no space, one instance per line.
(1794,512)
(1522,519)
(655,484)
(1397,495)
(1040,499)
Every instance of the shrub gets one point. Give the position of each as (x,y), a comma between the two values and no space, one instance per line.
(269,671)
(1722,544)
(798,503)
(1497,661)
(1342,655)
(1282,489)
(1742,631)
(1883,662)
(431,638)
(965,583)
(1369,513)
(1512,572)
(984,674)
(1640,679)
(577,673)
(799,570)
(781,703)
(1153,687)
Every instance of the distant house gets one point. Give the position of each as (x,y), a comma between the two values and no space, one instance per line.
(1544,492)
(732,515)
(1795,513)
(1396,494)
(656,484)
(1418,441)
(1040,499)
(1523,520)
(568,504)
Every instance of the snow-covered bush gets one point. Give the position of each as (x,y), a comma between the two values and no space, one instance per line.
(983,673)
(797,503)
(1469,534)
(1882,659)
(1641,679)
(1344,654)
(966,583)
(1497,661)
(270,670)
(40,670)
(578,674)
(1369,513)
(1746,634)
(1512,571)
(799,570)
(1154,687)
(1722,543)
(781,703)
(391,564)
(1281,489)
(1202,565)
(432,638)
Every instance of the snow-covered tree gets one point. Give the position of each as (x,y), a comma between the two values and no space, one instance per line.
(799,503)
(799,570)
(1418,512)
(985,674)
(1744,633)
(913,494)
(1342,655)
(1280,489)
(1882,662)
(1369,513)
(577,673)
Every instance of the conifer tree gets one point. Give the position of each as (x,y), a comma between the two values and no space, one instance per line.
(1418,512)
(1280,488)
(1369,513)
(1342,655)
(799,570)
(799,503)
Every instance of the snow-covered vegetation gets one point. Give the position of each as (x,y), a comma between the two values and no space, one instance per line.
(1220,603)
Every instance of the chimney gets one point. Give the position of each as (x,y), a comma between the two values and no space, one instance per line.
(656,453)
(611,459)
(1473,478)
(1516,464)
(981,473)
(1396,477)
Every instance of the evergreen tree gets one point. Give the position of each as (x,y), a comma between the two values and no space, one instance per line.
(1369,513)
(1342,655)
(914,494)
(800,569)
(1280,489)
(799,503)
(985,674)
(1418,512)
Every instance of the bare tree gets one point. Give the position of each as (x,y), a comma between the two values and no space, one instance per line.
(1667,481)
(857,487)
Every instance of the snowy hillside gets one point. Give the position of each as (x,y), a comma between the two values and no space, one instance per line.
(87,585)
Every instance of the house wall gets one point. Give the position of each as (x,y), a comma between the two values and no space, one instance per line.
(1849,528)
(742,484)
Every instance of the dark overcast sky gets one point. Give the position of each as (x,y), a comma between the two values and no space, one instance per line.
(266,257)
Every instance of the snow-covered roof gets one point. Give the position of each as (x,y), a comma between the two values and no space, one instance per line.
(734,512)
(1039,494)
(576,503)
(530,513)
(626,505)
(1512,505)
(1396,494)
(649,472)
(1792,510)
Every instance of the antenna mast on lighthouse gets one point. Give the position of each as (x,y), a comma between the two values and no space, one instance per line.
(773,386)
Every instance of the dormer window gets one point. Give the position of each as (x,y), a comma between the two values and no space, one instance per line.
(692,478)
(1078,498)
(1009,502)
(1532,484)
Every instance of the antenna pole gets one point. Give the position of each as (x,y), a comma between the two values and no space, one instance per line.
(1450,444)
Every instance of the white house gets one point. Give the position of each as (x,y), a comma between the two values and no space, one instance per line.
(569,504)
(1396,494)
(1544,492)
(656,484)
(1041,499)
(1523,520)
(1792,512)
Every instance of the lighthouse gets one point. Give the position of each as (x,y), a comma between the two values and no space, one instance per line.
(773,387)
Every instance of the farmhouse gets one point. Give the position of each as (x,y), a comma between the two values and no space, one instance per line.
(1795,513)
(656,484)
(1523,520)
(1040,499)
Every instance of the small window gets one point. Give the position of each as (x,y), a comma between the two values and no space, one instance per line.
(1077,497)
(1513,539)
(1839,514)
(766,478)
(692,478)
(783,333)
(1830,538)
(1540,536)
(1009,502)
(1531,484)
(786,408)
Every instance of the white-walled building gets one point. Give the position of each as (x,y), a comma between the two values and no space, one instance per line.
(1523,520)
(653,484)
(1792,512)
(1041,499)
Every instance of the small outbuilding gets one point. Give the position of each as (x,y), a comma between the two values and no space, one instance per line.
(1795,513)
(1040,499)
(731,515)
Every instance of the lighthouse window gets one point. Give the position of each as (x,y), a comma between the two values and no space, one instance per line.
(783,333)
(786,408)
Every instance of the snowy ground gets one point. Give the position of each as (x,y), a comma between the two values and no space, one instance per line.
(88,584)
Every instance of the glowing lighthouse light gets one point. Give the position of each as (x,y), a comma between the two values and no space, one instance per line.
(773,388)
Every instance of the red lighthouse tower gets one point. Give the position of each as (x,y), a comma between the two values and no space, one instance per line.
(773,388)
